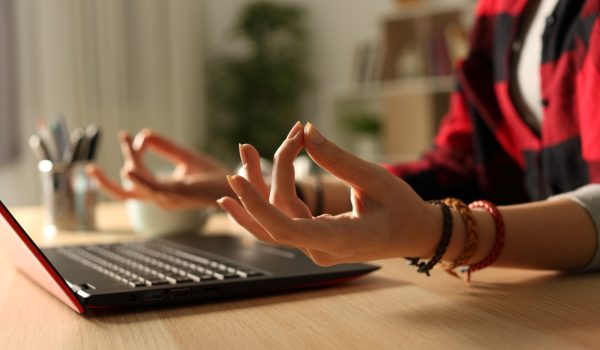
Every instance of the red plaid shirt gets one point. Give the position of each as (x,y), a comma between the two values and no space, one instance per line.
(484,148)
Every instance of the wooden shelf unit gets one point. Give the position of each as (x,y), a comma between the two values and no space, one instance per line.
(410,105)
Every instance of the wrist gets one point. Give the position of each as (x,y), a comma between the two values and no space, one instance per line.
(428,231)
(433,223)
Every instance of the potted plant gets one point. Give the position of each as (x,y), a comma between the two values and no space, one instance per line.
(255,96)
(365,127)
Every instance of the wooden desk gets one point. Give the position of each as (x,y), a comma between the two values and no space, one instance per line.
(393,308)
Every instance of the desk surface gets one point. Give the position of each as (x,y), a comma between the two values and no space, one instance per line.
(392,308)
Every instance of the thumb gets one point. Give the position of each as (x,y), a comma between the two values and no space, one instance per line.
(358,173)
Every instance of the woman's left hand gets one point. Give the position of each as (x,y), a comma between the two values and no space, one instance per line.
(388,218)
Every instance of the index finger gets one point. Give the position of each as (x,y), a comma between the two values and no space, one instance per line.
(344,165)
(147,139)
(129,154)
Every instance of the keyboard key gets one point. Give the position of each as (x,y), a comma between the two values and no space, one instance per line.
(137,284)
(252,273)
(225,275)
(183,279)
(193,277)
(156,282)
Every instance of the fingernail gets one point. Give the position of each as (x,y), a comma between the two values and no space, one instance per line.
(137,142)
(233,182)
(295,129)
(313,135)
(243,155)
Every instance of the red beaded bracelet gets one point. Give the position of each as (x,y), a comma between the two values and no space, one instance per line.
(498,244)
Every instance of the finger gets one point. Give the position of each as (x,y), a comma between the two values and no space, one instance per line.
(150,189)
(126,148)
(109,186)
(306,233)
(177,193)
(241,216)
(251,160)
(146,186)
(344,165)
(133,158)
(283,185)
(147,139)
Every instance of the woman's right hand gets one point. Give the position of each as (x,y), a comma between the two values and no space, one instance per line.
(196,181)
(388,218)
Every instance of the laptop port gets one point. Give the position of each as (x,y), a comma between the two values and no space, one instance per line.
(87,286)
(180,293)
(154,296)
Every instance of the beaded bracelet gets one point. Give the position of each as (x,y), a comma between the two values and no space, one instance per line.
(472,240)
(500,234)
(425,267)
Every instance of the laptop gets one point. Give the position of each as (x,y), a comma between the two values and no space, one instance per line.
(152,272)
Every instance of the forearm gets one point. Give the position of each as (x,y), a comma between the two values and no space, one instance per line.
(555,234)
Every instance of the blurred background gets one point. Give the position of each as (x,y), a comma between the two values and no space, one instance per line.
(373,75)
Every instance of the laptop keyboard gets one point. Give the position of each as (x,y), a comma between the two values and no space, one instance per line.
(144,264)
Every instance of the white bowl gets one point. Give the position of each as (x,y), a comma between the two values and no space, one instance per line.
(149,220)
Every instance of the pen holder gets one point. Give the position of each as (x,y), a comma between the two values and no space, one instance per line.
(69,195)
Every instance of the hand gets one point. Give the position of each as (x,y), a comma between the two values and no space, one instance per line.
(388,218)
(196,181)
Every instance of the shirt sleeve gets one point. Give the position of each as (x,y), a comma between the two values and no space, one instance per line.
(589,198)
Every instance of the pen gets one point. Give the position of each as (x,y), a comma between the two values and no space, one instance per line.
(38,147)
(92,134)
(60,131)
(77,140)
(47,139)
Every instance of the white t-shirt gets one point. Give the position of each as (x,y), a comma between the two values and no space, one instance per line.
(528,65)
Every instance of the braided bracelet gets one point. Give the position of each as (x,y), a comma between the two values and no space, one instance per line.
(472,240)
(425,267)
(498,244)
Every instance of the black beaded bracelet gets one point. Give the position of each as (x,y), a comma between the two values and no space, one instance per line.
(425,267)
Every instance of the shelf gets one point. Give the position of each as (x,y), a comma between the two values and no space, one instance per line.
(413,65)
(405,86)
(429,9)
